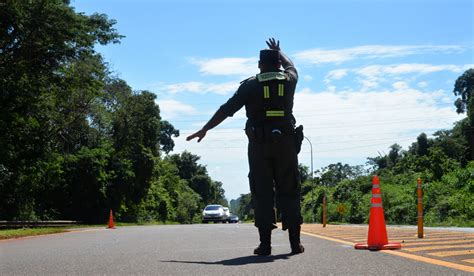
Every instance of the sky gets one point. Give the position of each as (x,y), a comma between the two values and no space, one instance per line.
(371,73)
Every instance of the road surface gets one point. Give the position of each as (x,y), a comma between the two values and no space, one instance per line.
(202,249)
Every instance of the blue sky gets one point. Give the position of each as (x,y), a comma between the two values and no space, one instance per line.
(372,73)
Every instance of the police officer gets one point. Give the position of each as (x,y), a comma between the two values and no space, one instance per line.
(273,147)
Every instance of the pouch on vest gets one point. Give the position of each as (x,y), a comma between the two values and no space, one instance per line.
(299,136)
(255,134)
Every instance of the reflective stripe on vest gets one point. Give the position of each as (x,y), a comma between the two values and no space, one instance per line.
(275,113)
(266,92)
(281,89)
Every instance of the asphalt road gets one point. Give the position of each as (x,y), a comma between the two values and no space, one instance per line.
(207,249)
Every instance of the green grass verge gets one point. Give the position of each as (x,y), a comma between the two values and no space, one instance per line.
(122,224)
(145,223)
(24,232)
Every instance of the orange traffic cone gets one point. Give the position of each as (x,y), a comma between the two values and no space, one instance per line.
(111,221)
(377,238)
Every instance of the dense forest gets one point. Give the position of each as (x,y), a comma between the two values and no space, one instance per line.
(76,140)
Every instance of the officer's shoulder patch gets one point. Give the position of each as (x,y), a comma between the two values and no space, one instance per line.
(262,77)
(247,79)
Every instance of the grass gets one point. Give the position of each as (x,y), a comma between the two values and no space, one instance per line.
(24,232)
(145,223)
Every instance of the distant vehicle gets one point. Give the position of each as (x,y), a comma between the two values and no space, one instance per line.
(215,213)
(233,219)
(226,211)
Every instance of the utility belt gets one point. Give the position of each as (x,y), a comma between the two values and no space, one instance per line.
(275,133)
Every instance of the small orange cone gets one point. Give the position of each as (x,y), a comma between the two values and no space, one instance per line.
(377,237)
(111,221)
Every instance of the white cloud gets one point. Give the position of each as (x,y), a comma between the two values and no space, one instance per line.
(336,74)
(423,84)
(368,84)
(198,87)
(379,73)
(319,56)
(227,66)
(371,76)
(400,85)
(307,78)
(171,108)
(407,68)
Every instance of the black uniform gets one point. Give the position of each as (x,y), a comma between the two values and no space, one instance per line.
(268,99)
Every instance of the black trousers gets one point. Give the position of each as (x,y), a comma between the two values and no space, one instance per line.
(274,178)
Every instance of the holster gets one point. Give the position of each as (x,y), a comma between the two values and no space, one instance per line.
(299,136)
(255,134)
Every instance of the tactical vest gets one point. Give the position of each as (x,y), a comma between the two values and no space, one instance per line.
(276,101)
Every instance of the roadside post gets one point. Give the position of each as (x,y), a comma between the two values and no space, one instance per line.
(420,209)
(324,210)
(312,180)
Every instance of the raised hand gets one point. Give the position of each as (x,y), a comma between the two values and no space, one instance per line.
(273,44)
(199,134)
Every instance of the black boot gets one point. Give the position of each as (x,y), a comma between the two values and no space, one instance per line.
(294,234)
(264,249)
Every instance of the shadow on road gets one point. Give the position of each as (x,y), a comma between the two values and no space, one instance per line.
(252,259)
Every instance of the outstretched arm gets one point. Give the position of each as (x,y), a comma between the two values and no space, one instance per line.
(275,45)
(218,117)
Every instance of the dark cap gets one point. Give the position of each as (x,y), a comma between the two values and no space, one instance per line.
(269,56)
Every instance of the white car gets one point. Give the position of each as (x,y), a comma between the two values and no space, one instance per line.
(226,211)
(215,213)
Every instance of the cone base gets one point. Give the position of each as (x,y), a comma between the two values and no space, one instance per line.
(388,246)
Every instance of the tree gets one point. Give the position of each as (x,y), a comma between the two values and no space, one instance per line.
(187,165)
(167,131)
(423,144)
(50,76)
(245,209)
(76,141)
(87,175)
(378,162)
(394,154)
(334,173)
(464,89)
(304,173)
(220,194)
(135,136)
